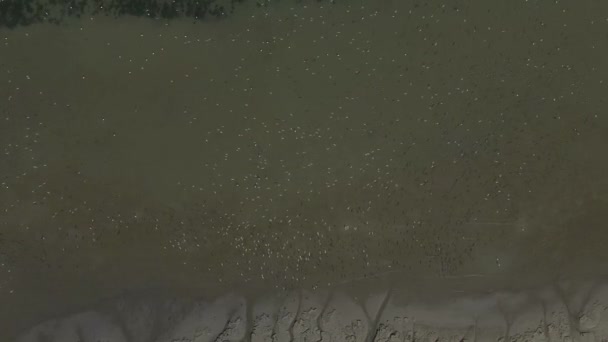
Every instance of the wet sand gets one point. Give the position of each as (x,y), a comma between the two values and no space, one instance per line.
(567,310)
(301,145)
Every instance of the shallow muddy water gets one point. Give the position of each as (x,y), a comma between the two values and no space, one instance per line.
(287,145)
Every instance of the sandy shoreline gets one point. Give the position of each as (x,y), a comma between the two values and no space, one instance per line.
(564,311)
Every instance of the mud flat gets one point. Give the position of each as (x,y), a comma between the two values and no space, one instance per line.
(566,310)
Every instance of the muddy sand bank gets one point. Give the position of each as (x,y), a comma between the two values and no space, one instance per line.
(566,310)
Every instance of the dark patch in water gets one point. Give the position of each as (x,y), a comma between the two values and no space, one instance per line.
(15,13)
